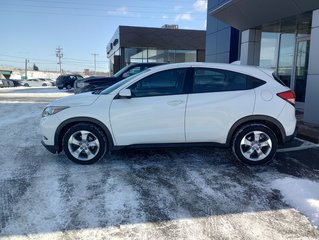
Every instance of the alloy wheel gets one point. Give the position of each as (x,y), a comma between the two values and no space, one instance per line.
(256,145)
(83,145)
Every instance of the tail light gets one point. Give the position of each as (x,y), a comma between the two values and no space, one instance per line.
(288,96)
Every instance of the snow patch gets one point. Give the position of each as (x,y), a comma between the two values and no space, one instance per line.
(302,194)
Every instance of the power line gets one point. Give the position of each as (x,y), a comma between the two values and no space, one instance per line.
(72,59)
(92,15)
(109,14)
(108,10)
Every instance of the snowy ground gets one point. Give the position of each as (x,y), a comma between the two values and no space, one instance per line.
(193,193)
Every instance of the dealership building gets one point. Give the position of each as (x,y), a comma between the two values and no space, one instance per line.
(165,45)
(282,35)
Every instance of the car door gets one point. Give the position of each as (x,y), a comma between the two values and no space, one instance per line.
(155,113)
(217,100)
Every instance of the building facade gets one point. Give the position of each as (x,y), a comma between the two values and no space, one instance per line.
(165,45)
(282,35)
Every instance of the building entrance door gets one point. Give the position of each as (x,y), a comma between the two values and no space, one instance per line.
(300,69)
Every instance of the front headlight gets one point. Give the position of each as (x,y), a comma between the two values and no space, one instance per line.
(52,110)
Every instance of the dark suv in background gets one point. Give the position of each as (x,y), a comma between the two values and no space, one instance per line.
(67,81)
(97,83)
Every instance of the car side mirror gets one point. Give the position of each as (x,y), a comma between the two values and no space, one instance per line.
(125,93)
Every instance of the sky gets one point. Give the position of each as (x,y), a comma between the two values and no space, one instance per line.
(33,29)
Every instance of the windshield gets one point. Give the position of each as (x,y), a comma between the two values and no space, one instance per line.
(123,70)
(121,83)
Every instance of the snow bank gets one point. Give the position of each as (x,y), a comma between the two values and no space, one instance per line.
(302,194)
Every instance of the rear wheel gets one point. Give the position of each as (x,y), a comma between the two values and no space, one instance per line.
(255,144)
(60,88)
(84,143)
(68,86)
(26,85)
(44,85)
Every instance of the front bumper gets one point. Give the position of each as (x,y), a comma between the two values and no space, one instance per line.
(52,149)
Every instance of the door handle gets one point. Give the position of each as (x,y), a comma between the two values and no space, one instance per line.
(175,102)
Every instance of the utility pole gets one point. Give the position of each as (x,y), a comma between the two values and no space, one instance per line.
(95,54)
(26,69)
(59,54)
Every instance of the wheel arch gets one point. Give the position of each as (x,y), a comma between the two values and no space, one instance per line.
(268,121)
(65,125)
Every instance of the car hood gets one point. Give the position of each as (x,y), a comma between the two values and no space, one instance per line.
(83,99)
(106,79)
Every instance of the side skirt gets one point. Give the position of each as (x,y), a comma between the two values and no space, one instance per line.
(171,145)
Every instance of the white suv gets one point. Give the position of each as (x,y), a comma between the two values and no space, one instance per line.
(243,107)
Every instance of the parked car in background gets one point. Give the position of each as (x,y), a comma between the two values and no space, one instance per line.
(96,83)
(67,81)
(1,83)
(242,107)
(17,83)
(36,82)
(52,82)
(10,83)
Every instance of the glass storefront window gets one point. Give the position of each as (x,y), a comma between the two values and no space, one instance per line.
(185,56)
(301,69)
(159,55)
(135,55)
(285,48)
(286,57)
(269,49)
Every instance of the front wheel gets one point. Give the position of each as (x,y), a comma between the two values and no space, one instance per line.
(84,143)
(255,144)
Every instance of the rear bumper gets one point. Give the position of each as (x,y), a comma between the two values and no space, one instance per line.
(291,137)
(52,149)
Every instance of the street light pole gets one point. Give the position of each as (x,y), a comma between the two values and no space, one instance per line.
(95,54)
(26,68)
(59,54)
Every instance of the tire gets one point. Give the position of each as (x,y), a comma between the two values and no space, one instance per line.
(60,88)
(255,144)
(26,85)
(44,85)
(82,140)
(68,87)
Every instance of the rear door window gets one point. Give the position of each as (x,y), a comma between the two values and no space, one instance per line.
(216,80)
